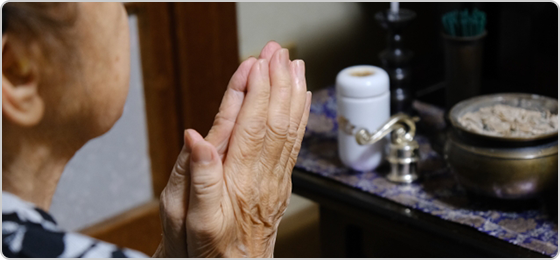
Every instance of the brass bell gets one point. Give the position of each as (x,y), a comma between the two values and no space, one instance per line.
(403,154)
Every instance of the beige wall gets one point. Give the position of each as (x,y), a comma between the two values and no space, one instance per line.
(326,35)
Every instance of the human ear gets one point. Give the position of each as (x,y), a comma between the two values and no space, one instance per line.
(21,103)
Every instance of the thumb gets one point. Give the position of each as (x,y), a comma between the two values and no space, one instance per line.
(206,178)
(174,199)
(178,181)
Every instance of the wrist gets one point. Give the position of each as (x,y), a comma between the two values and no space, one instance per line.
(166,250)
(261,247)
(160,251)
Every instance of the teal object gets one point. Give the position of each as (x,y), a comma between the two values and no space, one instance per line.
(464,24)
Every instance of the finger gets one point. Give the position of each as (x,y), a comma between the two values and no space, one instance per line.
(299,88)
(278,121)
(178,179)
(224,121)
(206,180)
(250,127)
(300,133)
(269,49)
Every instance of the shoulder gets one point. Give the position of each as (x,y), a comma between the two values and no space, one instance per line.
(28,231)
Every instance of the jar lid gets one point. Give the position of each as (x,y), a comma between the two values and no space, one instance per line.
(362,81)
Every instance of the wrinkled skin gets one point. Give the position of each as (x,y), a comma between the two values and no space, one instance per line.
(228,192)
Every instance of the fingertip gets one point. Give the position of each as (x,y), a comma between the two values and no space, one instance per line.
(273,43)
(298,69)
(251,59)
(192,137)
(285,54)
(293,66)
(282,57)
(259,78)
(245,66)
(276,56)
(299,62)
(269,49)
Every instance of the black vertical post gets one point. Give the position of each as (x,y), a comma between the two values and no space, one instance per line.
(396,59)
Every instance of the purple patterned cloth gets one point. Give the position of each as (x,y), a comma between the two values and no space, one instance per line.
(436,193)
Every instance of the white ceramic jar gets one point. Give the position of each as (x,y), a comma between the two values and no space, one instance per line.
(363,101)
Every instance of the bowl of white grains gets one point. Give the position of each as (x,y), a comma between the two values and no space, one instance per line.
(504,145)
(510,117)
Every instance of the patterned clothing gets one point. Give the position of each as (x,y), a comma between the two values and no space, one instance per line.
(28,231)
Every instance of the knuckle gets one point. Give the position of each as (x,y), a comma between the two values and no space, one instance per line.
(205,188)
(296,149)
(179,169)
(293,131)
(284,81)
(267,161)
(285,87)
(254,126)
(263,93)
(250,139)
(221,118)
(278,129)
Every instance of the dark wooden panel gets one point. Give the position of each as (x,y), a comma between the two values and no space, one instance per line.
(160,89)
(138,229)
(207,57)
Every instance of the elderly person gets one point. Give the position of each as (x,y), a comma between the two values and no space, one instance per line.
(65,69)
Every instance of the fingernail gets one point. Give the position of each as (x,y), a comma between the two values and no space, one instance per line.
(285,57)
(202,153)
(263,69)
(300,69)
(262,64)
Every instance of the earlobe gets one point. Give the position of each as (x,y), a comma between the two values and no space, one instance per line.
(21,103)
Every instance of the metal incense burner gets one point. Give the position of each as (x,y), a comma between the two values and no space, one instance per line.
(403,150)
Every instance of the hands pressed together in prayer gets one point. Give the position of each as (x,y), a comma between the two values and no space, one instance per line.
(228,191)
(65,81)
